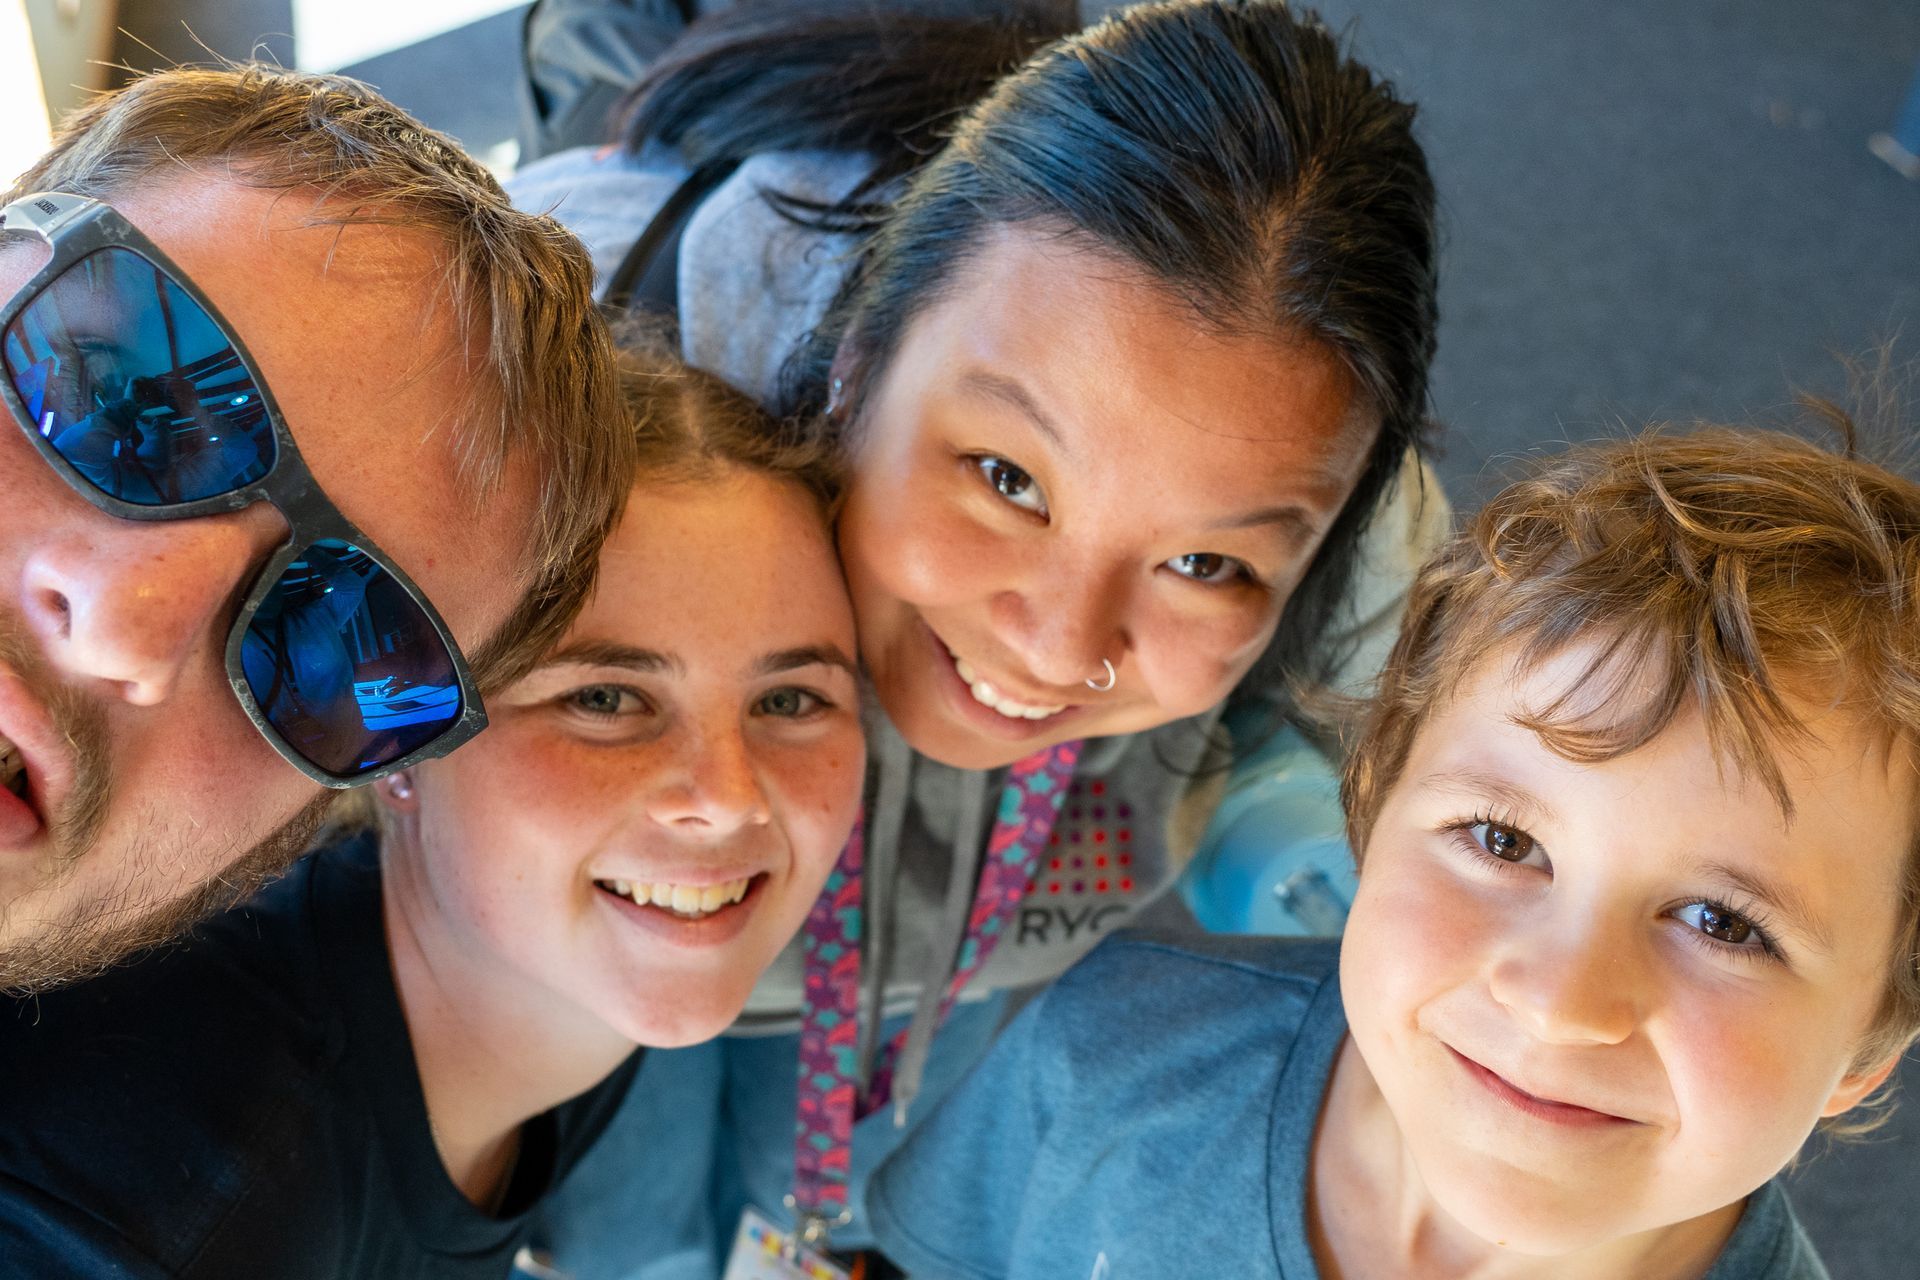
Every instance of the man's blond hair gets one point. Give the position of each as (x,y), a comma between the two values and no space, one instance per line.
(517,286)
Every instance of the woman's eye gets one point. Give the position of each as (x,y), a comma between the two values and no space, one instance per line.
(791,703)
(1012,483)
(1721,923)
(605,700)
(1509,844)
(1204,566)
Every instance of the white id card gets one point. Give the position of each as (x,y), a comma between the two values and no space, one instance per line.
(759,1253)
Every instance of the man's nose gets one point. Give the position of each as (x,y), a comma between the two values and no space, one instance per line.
(133,605)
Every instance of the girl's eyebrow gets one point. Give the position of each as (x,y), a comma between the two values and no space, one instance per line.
(804,656)
(606,653)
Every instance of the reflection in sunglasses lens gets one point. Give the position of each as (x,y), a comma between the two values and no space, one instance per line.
(136,386)
(345,665)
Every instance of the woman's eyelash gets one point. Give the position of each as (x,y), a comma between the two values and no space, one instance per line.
(1009,481)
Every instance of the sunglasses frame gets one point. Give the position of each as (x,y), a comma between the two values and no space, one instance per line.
(74,227)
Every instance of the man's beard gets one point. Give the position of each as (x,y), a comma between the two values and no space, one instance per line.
(82,721)
(94,938)
(100,932)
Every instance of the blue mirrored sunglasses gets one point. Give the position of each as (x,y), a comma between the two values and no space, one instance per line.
(125,379)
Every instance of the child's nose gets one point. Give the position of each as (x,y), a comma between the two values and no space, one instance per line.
(1569,982)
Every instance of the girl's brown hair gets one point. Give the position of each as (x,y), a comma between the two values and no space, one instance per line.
(691,426)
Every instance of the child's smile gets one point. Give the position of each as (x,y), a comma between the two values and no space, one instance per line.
(1603,1002)
(1553,1110)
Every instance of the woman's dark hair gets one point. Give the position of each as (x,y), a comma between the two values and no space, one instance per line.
(1227,148)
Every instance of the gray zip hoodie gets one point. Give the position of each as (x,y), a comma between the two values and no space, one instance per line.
(751,287)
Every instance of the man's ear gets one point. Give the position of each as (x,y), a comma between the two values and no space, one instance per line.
(1853,1088)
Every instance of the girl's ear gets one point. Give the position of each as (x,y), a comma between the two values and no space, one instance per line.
(1857,1086)
(395,793)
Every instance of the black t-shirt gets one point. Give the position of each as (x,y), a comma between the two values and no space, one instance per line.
(246,1104)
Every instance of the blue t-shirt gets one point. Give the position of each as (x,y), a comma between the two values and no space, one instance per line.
(1151,1116)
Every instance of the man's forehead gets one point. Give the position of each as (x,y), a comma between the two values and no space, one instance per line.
(350,329)
(243,245)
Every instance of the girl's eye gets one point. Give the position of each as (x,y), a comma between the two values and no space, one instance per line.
(1509,844)
(791,703)
(605,701)
(1012,483)
(1204,566)
(1722,924)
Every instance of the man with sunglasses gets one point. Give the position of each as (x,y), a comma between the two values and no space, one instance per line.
(307,438)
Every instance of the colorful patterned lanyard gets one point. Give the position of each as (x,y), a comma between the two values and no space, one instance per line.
(829,1024)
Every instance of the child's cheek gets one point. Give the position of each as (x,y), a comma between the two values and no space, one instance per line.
(1415,931)
(1740,1061)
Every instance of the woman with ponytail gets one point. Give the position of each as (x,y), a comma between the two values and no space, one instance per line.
(1126,333)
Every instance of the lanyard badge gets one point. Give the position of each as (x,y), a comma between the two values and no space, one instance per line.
(831,1099)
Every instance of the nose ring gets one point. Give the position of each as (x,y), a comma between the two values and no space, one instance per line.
(1112,679)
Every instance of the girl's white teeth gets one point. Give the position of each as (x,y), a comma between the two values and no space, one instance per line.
(682,899)
(988,696)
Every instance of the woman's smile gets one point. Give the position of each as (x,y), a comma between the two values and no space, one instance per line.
(979,704)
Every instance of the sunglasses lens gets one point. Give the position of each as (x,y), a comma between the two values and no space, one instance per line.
(345,665)
(136,386)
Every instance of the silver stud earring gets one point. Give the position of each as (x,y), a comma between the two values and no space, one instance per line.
(835,397)
(400,786)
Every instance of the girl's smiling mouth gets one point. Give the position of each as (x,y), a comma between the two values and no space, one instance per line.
(689,902)
(685,919)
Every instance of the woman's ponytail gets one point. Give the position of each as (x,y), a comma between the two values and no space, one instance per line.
(882,79)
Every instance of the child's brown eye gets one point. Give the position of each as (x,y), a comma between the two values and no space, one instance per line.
(1719,922)
(1509,844)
